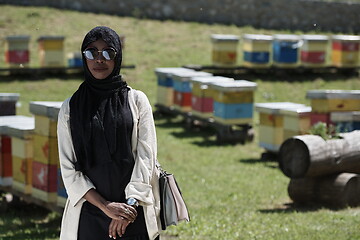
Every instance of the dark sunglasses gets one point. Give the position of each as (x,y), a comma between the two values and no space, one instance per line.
(93,53)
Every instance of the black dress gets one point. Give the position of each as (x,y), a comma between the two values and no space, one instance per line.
(110,180)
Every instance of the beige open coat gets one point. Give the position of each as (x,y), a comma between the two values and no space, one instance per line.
(144,181)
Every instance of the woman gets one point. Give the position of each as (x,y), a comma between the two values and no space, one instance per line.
(107,149)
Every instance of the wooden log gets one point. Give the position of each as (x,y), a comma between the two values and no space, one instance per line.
(339,190)
(310,155)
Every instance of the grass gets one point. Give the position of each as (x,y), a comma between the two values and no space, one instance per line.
(230,191)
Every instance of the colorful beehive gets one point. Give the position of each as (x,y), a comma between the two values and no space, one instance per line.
(296,121)
(285,50)
(313,50)
(346,121)
(46,156)
(165,90)
(75,59)
(202,95)
(22,153)
(224,49)
(257,50)
(51,51)
(8,103)
(6,148)
(271,125)
(233,101)
(345,50)
(17,51)
(182,88)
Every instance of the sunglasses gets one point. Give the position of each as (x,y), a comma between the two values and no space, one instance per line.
(93,53)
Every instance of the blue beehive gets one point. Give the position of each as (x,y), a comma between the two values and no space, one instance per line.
(257,49)
(285,50)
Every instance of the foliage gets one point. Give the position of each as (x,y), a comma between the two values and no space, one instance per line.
(325,131)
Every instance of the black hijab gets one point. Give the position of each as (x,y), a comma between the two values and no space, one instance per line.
(96,123)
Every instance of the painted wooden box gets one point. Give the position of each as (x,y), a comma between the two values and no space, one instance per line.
(17,52)
(233,101)
(346,121)
(224,49)
(296,121)
(313,50)
(8,103)
(285,50)
(51,51)
(345,50)
(326,101)
(44,181)
(271,124)
(182,88)
(257,50)
(202,94)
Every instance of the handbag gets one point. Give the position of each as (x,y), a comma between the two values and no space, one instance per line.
(172,205)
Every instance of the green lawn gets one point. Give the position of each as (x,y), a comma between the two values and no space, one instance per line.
(231,193)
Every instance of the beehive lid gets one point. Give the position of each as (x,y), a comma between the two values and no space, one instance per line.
(210,79)
(43,38)
(257,37)
(166,72)
(275,107)
(296,111)
(224,37)
(320,38)
(9,97)
(287,37)
(234,86)
(186,76)
(18,38)
(346,38)
(333,94)
(44,108)
(353,116)
(12,120)
(20,129)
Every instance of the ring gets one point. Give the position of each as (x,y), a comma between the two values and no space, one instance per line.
(126,211)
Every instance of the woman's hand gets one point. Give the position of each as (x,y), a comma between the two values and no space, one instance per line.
(116,211)
(117,227)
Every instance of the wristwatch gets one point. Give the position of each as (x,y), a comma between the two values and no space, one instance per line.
(132,202)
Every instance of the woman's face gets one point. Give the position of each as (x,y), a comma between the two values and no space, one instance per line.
(99,67)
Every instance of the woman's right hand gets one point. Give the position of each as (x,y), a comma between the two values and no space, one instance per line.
(116,210)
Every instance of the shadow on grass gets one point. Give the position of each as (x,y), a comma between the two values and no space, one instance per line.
(296,207)
(28,221)
(266,163)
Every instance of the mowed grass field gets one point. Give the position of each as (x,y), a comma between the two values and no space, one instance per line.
(231,193)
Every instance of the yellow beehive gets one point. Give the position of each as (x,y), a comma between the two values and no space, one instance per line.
(345,50)
(296,121)
(224,49)
(51,51)
(313,50)
(257,50)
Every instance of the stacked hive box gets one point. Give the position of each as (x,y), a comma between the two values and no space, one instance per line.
(21,152)
(233,101)
(17,51)
(346,121)
(6,148)
(46,160)
(8,103)
(182,88)
(313,50)
(257,50)
(345,51)
(285,50)
(51,51)
(165,90)
(224,50)
(296,121)
(202,95)
(271,129)
(325,102)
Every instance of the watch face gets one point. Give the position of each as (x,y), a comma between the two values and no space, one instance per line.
(131,201)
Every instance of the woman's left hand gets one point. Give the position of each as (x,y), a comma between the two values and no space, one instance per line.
(117,227)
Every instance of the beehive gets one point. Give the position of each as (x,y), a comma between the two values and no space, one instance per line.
(17,52)
(296,121)
(165,90)
(271,125)
(346,121)
(51,51)
(224,49)
(313,50)
(233,101)
(8,103)
(345,50)
(285,50)
(46,156)
(182,88)
(75,59)
(202,95)
(257,50)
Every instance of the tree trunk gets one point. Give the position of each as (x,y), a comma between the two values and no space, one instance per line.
(310,155)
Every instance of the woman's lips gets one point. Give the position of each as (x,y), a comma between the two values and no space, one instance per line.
(100,69)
